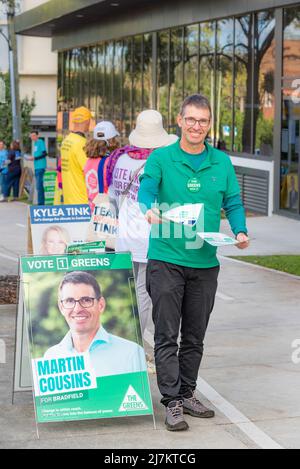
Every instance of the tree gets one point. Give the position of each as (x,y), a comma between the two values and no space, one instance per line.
(27,106)
(9,5)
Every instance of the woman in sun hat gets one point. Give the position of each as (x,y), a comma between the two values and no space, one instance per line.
(124,168)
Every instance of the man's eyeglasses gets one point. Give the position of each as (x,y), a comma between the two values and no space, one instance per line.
(191,122)
(85,302)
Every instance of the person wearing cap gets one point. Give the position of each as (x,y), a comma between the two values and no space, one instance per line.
(124,168)
(182,271)
(104,142)
(73,159)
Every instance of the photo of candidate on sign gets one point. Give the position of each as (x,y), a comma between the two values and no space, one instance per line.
(86,348)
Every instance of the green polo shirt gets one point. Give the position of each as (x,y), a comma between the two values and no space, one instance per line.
(181,183)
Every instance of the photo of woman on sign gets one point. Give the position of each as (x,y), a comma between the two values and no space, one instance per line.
(55,241)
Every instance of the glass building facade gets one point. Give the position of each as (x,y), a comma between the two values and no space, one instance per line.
(231,60)
(290,140)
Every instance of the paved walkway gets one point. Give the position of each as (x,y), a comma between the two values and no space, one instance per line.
(248,376)
(271,235)
(13,236)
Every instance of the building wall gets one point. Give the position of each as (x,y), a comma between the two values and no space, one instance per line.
(38,69)
(38,79)
(43,88)
(3,44)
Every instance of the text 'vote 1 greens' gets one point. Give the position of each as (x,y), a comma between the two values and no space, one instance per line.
(87,356)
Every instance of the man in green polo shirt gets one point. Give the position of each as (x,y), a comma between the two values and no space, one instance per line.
(183,270)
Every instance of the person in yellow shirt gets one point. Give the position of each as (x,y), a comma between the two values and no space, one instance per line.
(73,159)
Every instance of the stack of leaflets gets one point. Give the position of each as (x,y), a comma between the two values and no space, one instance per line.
(218,239)
(97,247)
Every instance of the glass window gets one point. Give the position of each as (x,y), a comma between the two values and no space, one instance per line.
(77,78)
(163,50)
(243,84)
(80,84)
(148,73)
(118,80)
(61,99)
(109,82)
(127,85)
(92,77)
(52,147)
(137,75)
(72,84)
(176,75)
(224,85)
(290,139)
(264,78)
(100,91)
(191,60)
(207,64)
(84,77)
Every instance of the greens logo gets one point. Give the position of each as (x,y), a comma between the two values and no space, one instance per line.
(132,401)
(62,263)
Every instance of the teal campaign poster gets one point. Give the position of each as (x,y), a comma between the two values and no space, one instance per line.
(86,349)
(53,228)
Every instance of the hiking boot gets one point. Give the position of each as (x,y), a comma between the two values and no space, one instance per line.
(193,407)
(175,421)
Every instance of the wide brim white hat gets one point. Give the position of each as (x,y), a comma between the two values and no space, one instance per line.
(149,131)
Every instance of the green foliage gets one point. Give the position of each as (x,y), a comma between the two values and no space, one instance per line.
(265,131)
(49,326)
(6,122)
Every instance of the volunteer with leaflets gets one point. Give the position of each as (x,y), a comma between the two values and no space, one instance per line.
(98,149)
(124,168)
(74,159)
(182,272)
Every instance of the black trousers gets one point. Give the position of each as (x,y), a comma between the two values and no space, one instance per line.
(183,299)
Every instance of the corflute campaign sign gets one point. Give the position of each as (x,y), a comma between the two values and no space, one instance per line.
(53,228)
(87,356)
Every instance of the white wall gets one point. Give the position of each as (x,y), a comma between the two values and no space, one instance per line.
(36,57)
(38,69)
(3,50)
(3,43)
(29,4)
(43,88)
(263,166)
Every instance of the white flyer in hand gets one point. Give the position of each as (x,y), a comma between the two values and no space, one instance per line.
(187,215)
(218,239)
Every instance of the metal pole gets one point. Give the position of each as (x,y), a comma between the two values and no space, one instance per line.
(16,135)
(13,71)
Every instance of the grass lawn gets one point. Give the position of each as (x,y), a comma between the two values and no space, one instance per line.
(289,264)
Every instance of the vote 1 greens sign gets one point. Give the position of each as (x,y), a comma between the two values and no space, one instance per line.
(86,350)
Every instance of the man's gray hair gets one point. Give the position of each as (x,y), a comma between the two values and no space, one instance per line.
(197,100)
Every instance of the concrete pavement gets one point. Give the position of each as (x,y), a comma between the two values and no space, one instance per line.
(13,236)
(271,235)
(247,374)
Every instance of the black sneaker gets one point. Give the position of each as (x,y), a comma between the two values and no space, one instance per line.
(174,419)
(195,408)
